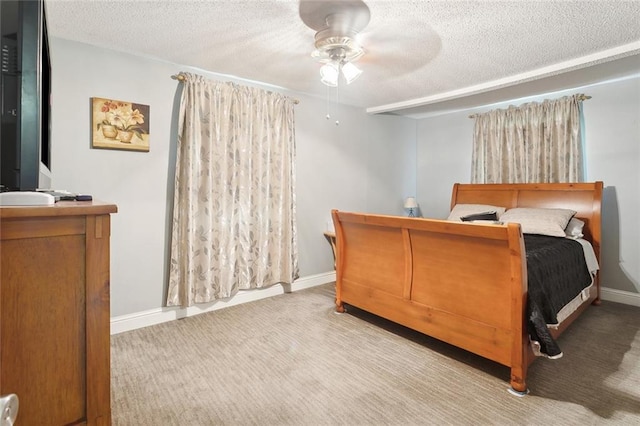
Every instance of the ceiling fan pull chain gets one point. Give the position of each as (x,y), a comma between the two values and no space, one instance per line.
(337,100)
(328,116)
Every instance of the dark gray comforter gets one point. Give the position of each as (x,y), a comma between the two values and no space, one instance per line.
(556,272)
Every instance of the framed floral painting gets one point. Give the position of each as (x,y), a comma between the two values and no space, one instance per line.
(119,125)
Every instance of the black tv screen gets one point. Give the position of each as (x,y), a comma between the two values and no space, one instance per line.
(24,135)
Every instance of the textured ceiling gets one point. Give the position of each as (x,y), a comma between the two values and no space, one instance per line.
(418,53)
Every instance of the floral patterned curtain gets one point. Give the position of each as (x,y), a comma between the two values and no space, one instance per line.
(536,142)
(234,204)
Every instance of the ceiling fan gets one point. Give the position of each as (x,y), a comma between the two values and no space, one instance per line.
(337,24)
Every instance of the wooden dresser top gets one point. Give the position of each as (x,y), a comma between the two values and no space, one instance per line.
(61,208)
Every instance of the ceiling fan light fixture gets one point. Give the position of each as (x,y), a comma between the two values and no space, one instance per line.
(350,72)
(329,74)
(337,24)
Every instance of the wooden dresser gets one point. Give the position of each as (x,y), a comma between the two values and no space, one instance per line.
(54,312)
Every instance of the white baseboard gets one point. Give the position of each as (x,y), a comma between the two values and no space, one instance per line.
(620,296)
(129,322)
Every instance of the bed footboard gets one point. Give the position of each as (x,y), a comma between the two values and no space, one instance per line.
(461,283)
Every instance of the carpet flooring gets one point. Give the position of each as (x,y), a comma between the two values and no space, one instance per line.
(291,360)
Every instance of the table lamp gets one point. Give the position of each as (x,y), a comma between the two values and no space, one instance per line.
(410,203)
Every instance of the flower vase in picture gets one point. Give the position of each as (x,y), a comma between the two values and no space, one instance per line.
(109,131)
(120,125)
(125,136)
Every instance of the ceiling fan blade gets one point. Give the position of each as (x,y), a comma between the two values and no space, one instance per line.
(381,43)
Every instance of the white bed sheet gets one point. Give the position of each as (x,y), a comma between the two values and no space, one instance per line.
(593,266)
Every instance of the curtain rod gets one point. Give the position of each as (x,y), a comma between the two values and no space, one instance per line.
(180,77)
(580,98)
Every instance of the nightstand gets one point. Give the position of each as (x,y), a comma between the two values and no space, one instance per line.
(331,237)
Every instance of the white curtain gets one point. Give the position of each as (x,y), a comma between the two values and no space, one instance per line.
(234,204)
(536,142)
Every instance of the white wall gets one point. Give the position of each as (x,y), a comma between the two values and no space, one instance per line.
(612,132)
(612,136)
(367,163)
(443,158)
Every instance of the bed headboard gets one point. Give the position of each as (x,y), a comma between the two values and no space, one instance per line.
(584,197)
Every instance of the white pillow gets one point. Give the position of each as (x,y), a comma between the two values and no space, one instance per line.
(539,220)
(460,210)
(574,228)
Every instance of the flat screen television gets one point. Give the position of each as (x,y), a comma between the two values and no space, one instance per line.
(25,154)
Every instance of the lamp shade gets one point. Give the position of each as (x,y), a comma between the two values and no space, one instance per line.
(329,74)
(410,203)
(350,72)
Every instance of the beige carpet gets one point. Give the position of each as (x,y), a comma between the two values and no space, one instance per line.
(290,360)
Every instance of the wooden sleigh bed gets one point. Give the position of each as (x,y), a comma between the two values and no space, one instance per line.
(465,284)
